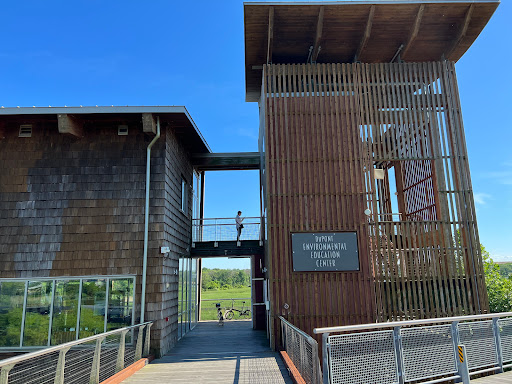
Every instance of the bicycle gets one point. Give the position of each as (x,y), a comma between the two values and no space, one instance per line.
(229,314)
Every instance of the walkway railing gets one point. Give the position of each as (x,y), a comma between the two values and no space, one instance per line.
(224,229)
(302,350)
(403,351)
(89,361)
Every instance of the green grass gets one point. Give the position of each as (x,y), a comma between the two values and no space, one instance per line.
(208,309)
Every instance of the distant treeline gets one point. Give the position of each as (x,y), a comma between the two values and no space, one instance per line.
(225,278)
(505,269)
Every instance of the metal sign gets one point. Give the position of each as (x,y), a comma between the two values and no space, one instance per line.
(335,251)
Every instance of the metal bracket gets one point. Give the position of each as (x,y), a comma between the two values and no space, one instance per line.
(59,372)
(120,352)
(4,375)
(95,368)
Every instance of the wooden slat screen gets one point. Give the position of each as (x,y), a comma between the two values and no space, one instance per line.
(327,127)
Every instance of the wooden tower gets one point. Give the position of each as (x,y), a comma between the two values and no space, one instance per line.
(366,183)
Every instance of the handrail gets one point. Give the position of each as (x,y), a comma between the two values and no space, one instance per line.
(302,349)
(57,348)
(214,225)
(406,323)
(308,337)
(225,218)
(221,300)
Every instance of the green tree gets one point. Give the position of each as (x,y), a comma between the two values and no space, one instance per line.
(499,288)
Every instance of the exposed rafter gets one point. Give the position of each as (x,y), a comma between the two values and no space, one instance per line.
(462,31)
(415,30)
(70,125)
(270,38)
(148,124)
(367,33)
(318,36)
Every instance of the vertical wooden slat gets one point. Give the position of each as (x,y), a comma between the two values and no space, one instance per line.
(326,128)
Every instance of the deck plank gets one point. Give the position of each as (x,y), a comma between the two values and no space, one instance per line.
(502,378)
(233,353)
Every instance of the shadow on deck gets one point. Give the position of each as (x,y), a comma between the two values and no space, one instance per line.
(233,353)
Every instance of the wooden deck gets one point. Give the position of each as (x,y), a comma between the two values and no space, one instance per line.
(502,378)
(233,353)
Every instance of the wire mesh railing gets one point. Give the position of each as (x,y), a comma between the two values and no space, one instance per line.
(224,229)
(302,350)
(423,351)
(91,360)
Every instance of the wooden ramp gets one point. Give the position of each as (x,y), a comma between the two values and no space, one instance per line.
(233,353)
(502,378)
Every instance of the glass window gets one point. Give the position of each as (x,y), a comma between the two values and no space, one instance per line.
(184,195)
(193,292)
(65,310)
(92,309)
(11,312)
(180,297)
(120,303)
(186,292)
(37,317)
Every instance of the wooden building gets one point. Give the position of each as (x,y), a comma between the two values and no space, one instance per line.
(72,222)
(363,140)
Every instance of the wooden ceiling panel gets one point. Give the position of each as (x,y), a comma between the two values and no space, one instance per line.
(444,29)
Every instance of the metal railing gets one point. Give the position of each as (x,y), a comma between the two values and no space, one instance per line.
(224,229)
(302,350)
(90,360)
(402,351)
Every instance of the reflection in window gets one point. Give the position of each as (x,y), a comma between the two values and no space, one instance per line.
(180,299)
(120,303)
(193,292)
(65,310)
(92,309)
(37,317)
(11,312)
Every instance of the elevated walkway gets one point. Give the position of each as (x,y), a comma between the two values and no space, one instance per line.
(217,237)
(230,161)
(233,353)
(227,248)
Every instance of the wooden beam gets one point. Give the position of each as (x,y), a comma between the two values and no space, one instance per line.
(2,130)
(318,36)
(70,125)
(226,161)
(270,36)
(148,124)
(414,31)
(367,33)
(462,31)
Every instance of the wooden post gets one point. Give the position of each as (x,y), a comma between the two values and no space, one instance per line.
(59,372)
(120,352)
(4,374)
(94,377)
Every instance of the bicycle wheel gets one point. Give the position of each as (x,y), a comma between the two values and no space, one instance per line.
(246,313)
(228,315)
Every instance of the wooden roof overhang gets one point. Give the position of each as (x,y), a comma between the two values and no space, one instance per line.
(358,31)
(71,120)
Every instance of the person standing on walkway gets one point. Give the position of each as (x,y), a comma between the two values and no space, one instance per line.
(239,225)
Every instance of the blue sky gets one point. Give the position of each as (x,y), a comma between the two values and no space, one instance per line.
(192,53)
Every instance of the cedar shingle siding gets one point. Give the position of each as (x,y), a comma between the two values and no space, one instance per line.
(75,207)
